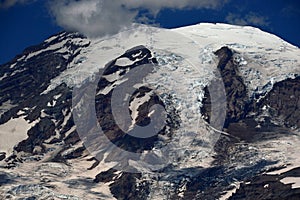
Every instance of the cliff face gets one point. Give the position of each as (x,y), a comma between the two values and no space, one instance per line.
(235,90)
(253,120)
(244,113)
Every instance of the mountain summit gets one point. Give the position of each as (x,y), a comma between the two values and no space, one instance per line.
(209,111)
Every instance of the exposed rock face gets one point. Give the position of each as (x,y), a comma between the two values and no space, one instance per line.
(268,187)
(253,120)
(125,187)
(104,107)
(236,91)
(30,76)
(2,155)
(26,78)
(279,107)
(283,103)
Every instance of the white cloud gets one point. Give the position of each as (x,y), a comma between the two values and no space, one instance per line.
(248,19)
(156,5)
(292,10)
(91,17)
(104,17)
(10,3)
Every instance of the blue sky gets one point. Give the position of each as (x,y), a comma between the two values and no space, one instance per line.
(28,22)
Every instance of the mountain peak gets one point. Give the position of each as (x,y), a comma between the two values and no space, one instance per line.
(223,100)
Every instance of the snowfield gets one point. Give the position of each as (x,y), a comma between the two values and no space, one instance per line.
(264,58)
(13,132)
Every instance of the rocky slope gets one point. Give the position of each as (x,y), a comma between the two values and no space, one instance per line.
(56,95)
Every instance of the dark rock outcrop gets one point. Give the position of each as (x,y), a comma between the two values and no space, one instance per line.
(267,187)
(104,110)
(281,104)
(235,89)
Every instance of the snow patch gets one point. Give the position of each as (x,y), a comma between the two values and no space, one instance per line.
(51,39)
(122,62)
(295,181)
(3,77)
(13,132)
(230,192)
(135,104)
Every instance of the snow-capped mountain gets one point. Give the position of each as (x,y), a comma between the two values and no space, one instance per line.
(77,116)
